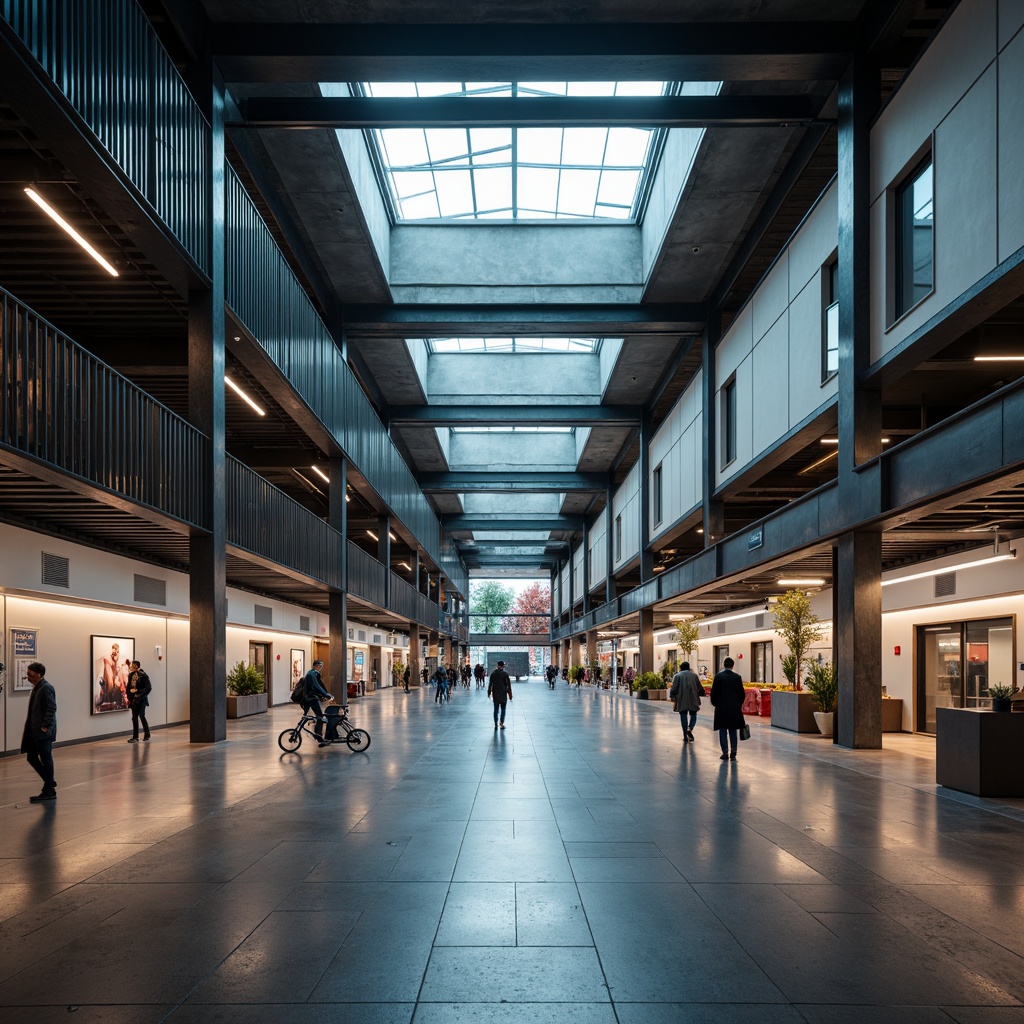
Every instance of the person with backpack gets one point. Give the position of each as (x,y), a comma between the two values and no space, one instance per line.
(310,691)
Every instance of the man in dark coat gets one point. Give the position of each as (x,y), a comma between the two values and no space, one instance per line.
(139,689)
(499,689)
(314,693)
(727,697)
(41,730)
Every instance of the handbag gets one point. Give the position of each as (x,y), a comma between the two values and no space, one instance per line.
(744,731)
(675,704)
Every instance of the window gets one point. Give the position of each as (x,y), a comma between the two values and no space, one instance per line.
(729,422)
(915,273)
(830,334)
(761,662)
(656,498)
(618,538)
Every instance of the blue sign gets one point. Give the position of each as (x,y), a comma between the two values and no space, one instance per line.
(23,643)
(755,538)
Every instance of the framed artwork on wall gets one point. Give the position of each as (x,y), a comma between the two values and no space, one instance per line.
(21,673)
(298,665)
(111,659)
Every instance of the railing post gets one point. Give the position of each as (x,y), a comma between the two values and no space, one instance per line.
(337,601)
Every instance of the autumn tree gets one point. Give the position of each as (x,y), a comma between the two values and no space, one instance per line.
(534,601)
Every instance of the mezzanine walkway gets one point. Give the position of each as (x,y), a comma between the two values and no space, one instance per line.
(579,867)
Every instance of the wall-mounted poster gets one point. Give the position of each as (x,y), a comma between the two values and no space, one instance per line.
(298,665)
(111,658)
(24,642)
(21,673)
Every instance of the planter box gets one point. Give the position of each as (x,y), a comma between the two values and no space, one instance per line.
(979,751)
(892,714)
(248,704)
(657,694)
(794,710)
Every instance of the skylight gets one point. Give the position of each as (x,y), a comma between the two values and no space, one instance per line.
(512,430)
(519,174)
(447,345)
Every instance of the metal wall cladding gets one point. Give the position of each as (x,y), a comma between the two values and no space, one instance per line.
(105,58)
(264,520)
(62,406)
(266,297)
(366,576)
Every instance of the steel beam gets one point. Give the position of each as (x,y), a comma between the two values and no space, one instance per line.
(523,321)
(503,521)
(537,111)
(544,483)
(696,52)
(481,414)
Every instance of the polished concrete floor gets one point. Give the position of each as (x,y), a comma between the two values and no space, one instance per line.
(580,866)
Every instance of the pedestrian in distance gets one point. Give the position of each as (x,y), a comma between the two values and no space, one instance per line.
(139,689)
(727,697)
(686,692)
(406,676)
(499,689)
(41,730)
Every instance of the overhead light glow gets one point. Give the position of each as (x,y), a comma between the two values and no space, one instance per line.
(320,473)
(373,535)
(999,359)
(800,583)
(65,226)
(730,618)
(1005,556)
(405,565)
(835,440)
(241,394)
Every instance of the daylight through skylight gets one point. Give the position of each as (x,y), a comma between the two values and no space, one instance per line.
(467,174)
(446,345)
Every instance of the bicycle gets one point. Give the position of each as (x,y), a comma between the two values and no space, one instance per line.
(337,729)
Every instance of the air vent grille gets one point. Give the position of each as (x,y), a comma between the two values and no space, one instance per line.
(720,627)
(945,584)
(304,623)
(150,591)
(351,633)
(56,570)
(759,621)
(361,635)
(263,615)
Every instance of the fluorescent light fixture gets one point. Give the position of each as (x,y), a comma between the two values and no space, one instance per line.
(405,565)
(835,440)
(241,394)
(323,476)
(1005,556)
(999,359)
(65,226)
(730,618)
(800,583)
(373,535)
(392,536)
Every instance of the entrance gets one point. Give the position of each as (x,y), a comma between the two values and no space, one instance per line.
(721,653)
(958,662)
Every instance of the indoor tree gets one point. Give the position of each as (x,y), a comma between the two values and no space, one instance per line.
(687,635)
(797,625)
(488,602)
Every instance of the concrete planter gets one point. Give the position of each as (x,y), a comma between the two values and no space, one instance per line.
(824,720)
(657,694)
(248,704)
(793,710)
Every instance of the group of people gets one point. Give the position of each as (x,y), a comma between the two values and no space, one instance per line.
(726,697)
(40,730)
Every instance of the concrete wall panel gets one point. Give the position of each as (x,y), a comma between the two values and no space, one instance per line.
(770,392)
(1011,20)
(735,346)
(1011,145)
(771,298)
(815,242)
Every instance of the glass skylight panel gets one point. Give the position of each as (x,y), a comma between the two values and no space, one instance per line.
(467,174)
(449,345)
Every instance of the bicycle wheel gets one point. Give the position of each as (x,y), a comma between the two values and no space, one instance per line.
(358,740)
(290,740)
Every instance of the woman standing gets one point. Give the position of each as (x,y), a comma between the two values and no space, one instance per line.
(727,698)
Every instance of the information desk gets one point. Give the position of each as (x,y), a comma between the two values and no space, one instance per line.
(979,752)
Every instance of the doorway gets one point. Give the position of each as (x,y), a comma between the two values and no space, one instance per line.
(957,662)
(259,657)
(721,653)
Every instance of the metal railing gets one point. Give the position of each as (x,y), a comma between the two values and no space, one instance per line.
(105,58)
(63,407)
(263,520)
(366,576)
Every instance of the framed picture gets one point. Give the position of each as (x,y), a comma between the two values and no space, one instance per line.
(24,642)
(298,665)
(21,673)
(111,659)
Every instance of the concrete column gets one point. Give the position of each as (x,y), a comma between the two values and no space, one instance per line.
(566,659)
(713,510)
(586,569)
(577,658)
(859,630)
(592,647)
(207,552)
(647,640)
(610,591)
(414,654)
(572,587)
(384,554)
(646,555)
(337,603)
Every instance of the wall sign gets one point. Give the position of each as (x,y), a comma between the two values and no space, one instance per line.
(24,642)
(755,538)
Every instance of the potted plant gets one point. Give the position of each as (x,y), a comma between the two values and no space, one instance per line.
(798,627)
(247,691)
(823,685)
(1001,697)
(576,673)
(645,683)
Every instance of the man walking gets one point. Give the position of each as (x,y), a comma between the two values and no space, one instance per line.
(727,697)
(686,692)
(139,689)
(41,730)
(499,689)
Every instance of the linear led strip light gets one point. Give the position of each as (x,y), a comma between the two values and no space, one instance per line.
(65,226)
(241,394)
(1005,556)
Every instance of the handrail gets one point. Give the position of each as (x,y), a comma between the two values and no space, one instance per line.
(63,407)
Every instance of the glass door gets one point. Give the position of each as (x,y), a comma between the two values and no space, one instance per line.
(989,659)
(938,672)
(721,653)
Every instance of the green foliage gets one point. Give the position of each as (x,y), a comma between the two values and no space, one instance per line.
(1000,691)
(687,635)
(246,679)
(798,626)
(576,673)
(488,602)
(789,669)
(648,681)
(668,670)
(823,684)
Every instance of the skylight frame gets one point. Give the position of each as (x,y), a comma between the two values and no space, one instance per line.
(518,212)
(513,346)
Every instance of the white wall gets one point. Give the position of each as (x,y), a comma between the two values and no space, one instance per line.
(626,503)
(677,448)
(774,345)
(598,540)
(965,98)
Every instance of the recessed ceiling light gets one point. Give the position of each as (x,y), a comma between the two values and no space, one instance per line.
(999,359)
(801,583)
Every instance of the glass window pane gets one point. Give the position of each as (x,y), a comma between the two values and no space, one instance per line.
(618,188)
(914,272)
(584,146)
(539,145)
(447,143)
(538,189)
(454,193)
(494,189)
(422,207)
(491,145)
(578,192)
(404,147)
(627,147)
